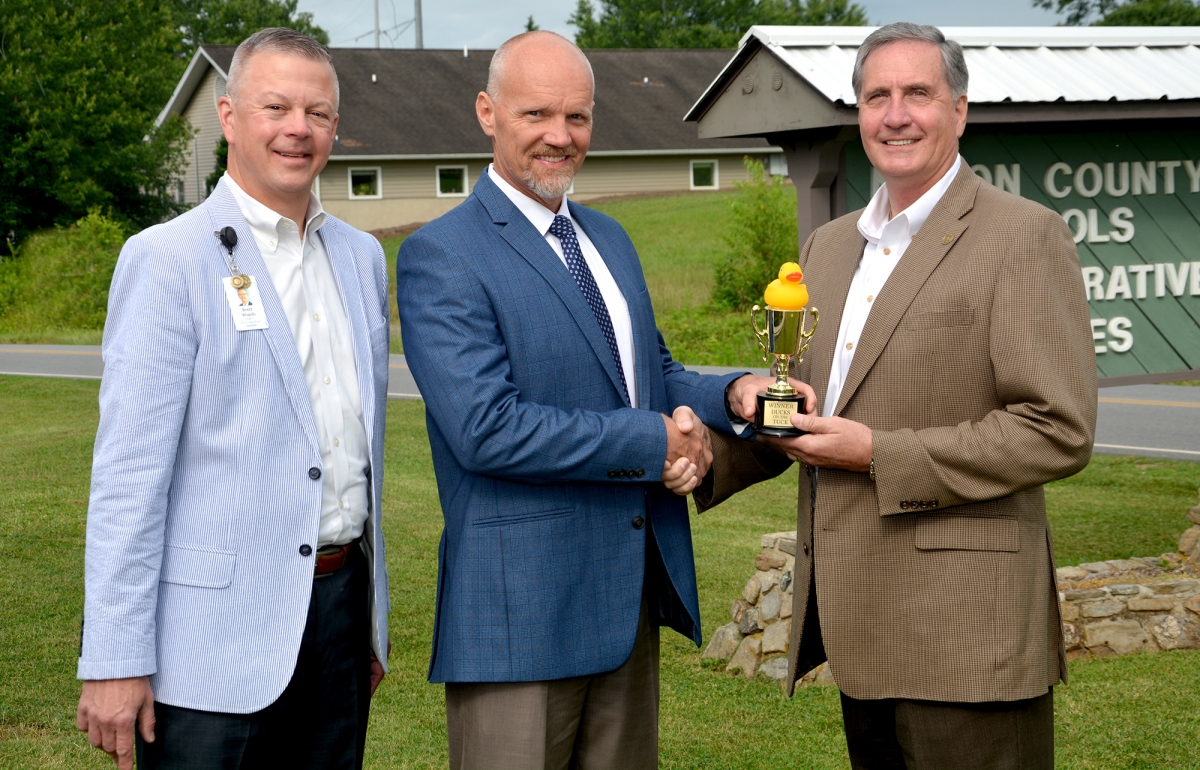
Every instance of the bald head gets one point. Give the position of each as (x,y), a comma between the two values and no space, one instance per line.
(539,50)
(538,111)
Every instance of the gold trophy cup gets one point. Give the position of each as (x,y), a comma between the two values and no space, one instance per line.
(785,337)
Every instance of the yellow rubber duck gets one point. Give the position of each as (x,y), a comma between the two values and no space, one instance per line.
(787,292)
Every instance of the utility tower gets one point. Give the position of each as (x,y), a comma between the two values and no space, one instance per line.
(417,24)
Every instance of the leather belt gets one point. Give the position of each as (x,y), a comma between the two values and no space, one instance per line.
(331,558)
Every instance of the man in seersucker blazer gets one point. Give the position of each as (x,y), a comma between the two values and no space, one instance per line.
(236,591)
(954,375)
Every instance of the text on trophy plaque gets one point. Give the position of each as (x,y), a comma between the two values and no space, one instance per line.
(778,414)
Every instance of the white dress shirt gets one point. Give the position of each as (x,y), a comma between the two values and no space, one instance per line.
(887,240)
(299,268)
(618,309)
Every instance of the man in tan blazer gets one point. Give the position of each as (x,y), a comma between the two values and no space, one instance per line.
(955,376)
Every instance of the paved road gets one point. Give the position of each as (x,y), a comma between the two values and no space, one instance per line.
(1149,420)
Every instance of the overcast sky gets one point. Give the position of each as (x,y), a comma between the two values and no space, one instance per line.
(487,23)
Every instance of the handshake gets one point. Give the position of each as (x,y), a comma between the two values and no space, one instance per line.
(689,448)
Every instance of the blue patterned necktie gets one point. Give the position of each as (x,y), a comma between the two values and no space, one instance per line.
(565,232)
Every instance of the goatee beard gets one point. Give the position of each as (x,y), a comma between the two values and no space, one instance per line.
(555,186)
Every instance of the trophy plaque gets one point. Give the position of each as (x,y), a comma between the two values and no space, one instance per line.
(784,338)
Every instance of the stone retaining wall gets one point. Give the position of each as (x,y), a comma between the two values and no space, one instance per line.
(1109,608)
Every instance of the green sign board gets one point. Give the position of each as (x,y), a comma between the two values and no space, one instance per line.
(1132,202)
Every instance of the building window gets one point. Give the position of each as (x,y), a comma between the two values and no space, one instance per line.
(180,191)
(366,183)
(452,182)
(705,175)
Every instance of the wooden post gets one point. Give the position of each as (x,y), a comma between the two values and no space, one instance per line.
(814,162)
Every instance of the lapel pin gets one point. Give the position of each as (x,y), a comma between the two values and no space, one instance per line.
(947,240)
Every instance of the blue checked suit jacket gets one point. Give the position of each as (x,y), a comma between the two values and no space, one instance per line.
(201,494)
(540,566)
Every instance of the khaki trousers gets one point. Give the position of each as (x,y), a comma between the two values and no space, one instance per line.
(594,722)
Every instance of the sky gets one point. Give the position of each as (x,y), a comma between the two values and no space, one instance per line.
(486,24)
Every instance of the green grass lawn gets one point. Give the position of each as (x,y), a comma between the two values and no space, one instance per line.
(1137,712)
(678,239)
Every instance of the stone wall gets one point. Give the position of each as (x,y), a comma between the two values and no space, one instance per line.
(1109,608)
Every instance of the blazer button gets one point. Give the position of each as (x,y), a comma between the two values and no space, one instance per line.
(641,472)
(633,473)
(933,503)
(638,522)
(805,549)
(904,505)
(924,504)
(306,550)
(612,474)
(314,474)
(622,473)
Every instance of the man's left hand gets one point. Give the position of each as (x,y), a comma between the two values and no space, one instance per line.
(832,442)
(377,668)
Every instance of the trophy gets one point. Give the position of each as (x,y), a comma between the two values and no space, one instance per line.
(785,337)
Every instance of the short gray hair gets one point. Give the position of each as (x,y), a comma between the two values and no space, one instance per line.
(279,40)
(500,58)
(954,66)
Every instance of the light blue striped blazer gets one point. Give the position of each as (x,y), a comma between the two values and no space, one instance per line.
(201,491)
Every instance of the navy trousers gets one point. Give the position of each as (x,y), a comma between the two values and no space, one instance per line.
(320,720)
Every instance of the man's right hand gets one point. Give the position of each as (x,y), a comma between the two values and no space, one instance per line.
(689,451)
(108,711)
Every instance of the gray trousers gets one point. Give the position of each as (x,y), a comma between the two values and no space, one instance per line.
(593,722)
(929,735)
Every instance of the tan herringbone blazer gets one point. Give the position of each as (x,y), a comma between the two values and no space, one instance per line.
(977,375)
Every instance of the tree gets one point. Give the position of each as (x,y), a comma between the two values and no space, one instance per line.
(698,23)
(1153,13)
(82,82)
(760,236)
(228,22)
(222,154)
(1125,13)
(531,25)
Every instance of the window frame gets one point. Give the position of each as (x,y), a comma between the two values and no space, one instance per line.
(716,169)
(437,181)
(350,183)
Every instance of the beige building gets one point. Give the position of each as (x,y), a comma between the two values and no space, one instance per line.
(409,147)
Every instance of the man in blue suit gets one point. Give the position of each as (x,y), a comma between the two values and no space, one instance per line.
(528,328)
(236,593)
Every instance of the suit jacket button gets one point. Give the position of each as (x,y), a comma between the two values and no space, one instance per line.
(640,472)
(805,549)
(612,474)
(904,505)
(638,522)
(306,550)
(933,503)
(924,504)
(622,473)
(314,473)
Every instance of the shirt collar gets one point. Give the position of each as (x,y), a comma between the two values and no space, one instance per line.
(537,214)
(875,217)
(267,224)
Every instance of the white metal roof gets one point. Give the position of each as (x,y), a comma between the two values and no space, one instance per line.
(1008,64)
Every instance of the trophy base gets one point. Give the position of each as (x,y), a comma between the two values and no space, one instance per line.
(773,417)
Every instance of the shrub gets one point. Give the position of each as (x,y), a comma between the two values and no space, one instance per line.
(59,278)
(760,236)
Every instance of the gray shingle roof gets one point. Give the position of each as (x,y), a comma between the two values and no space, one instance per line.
(423,102)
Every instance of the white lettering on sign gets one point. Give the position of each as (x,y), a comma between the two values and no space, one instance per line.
(1116,179)
(1086,225)
(1178,279)
(1007,178)
(1112,334)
